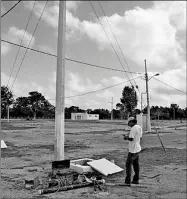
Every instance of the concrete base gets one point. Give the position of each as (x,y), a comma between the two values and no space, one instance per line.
(80,165)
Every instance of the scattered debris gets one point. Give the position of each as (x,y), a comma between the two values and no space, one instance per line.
(124,185)
(3,145)
(81,166)
(67,175)
(60,164)
(31,182)
(105,167)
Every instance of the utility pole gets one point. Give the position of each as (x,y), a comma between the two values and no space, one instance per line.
(8,113)
(60,84)
(148,107)
(142,101)
(112,109)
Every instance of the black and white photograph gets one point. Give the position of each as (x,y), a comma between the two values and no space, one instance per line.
(93,100)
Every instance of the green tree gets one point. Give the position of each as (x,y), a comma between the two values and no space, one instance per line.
(21,107)
(48,110)
(6,99)
(129,100)
(36,102)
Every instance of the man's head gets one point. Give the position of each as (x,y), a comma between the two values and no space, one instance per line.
(132,121)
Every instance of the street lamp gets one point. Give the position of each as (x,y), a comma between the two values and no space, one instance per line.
(157,74)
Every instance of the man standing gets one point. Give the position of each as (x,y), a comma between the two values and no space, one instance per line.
(134,148)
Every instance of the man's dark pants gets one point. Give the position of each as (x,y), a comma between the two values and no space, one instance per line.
(132,159)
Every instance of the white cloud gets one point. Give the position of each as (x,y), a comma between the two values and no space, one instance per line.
(156,34)
(72,5)
(5,48)
(77,84)
(50,15)
(20,88)
(151,34)
(160,94)
(2,9)
(15,35)
(144,34)
(47,49)
(176,11)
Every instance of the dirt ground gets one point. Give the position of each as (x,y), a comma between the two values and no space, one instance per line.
(31,150)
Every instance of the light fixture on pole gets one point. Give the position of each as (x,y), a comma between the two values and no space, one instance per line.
(157,74)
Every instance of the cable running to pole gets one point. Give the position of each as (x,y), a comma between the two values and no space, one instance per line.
(10,9)
(170,86)
(21,43)
(136,86)
(102,88)
(114,35)
(108,37)
(29,44)
(72,60)
(78,95)
(112,44)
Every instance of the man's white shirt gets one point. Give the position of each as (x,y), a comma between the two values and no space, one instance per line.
(136,134)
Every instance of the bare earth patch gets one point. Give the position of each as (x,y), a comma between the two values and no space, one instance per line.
(31,150)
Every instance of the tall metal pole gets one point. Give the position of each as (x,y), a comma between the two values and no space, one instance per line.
(142,101)
(8,113)
(148,107)
(60,82)
(0,106)
(112,109)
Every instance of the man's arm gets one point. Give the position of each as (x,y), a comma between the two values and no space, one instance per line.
(126,137)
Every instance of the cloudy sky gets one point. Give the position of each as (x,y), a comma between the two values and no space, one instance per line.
(155,31)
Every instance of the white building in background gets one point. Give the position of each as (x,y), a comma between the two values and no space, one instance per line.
(84,116)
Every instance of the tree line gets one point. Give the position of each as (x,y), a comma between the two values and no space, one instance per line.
(36,106)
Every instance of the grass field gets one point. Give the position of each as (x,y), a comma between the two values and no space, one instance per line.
(31,145)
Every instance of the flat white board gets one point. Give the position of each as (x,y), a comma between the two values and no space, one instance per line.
(104,166)
(3,145)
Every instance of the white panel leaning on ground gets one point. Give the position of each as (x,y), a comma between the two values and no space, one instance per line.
(3,145)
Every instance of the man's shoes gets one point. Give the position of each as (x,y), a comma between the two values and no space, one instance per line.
(135,182)
(127,184)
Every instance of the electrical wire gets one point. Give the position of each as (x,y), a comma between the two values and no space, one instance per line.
(170,86)
(10,9)
(102,66)
(108,37)
(72,60)
(136,86)
(98,89)
(102,88)
(32,49)
(117,44)
(21,43)
(114,36)
(29,44)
